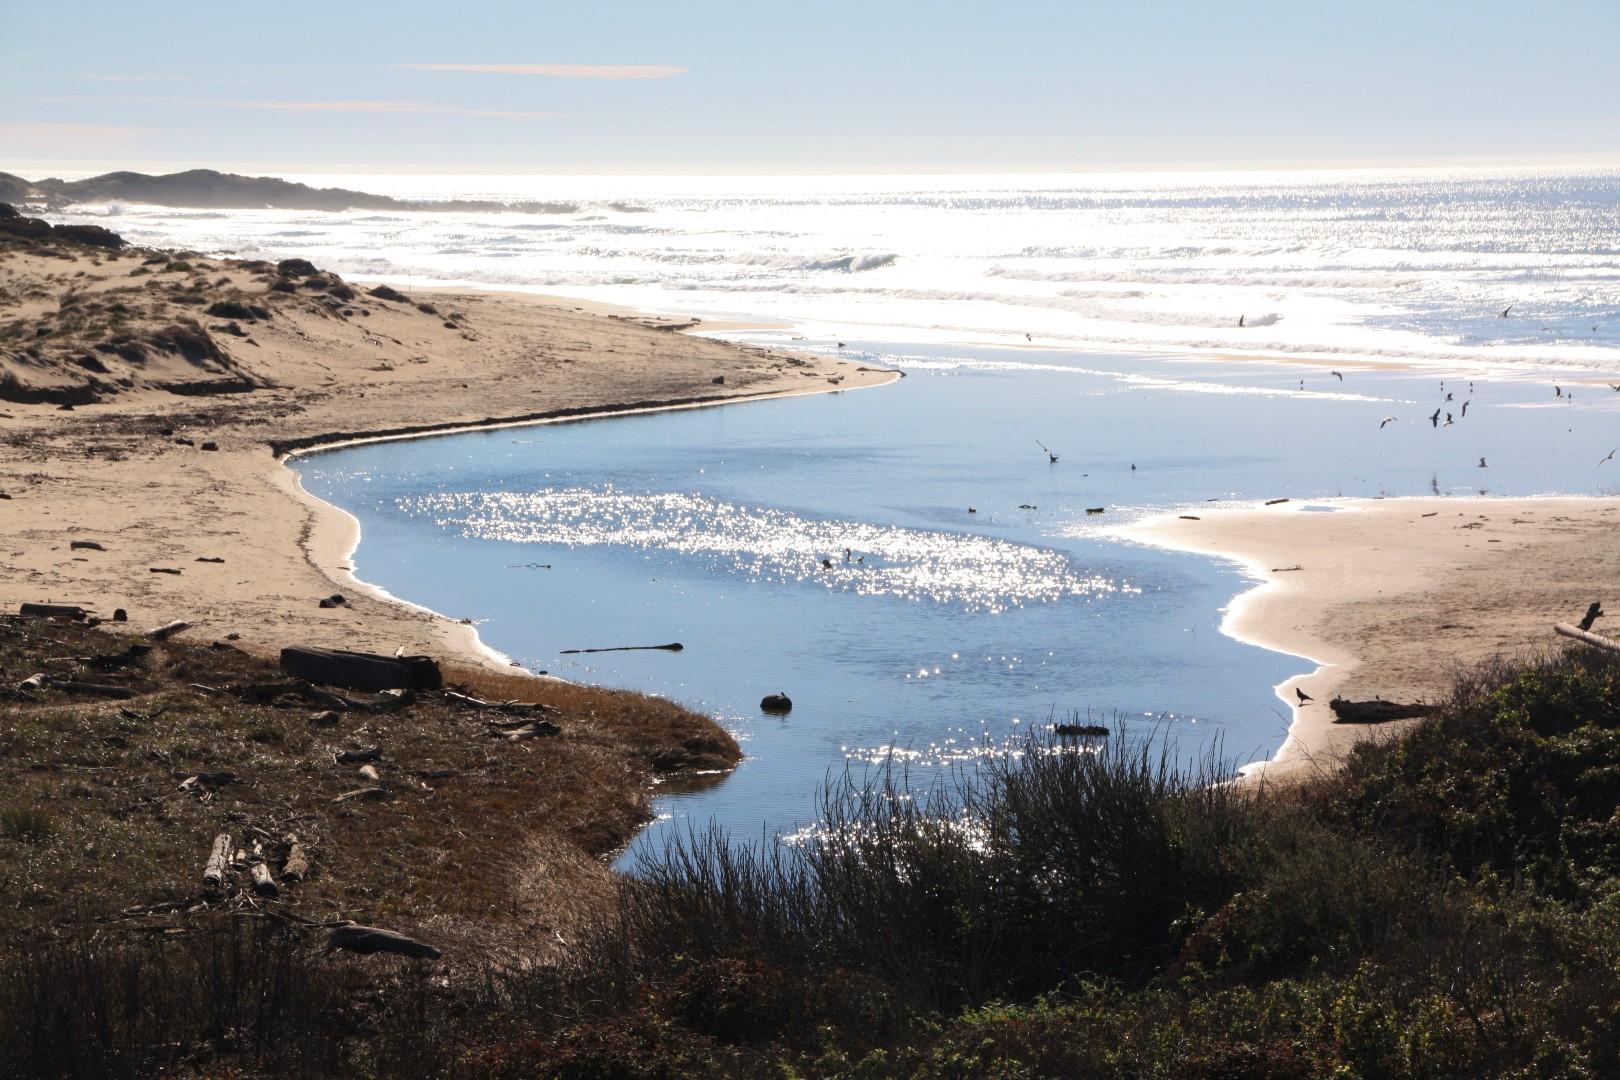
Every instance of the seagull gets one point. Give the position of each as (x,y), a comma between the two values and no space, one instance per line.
(1240,319)
(1336,375)
(1558,391)
(1051,456)
(1506,310)
(1615,387)
(1028,338)
(1482,464)
(1449,420)
(1303,696)
(1611,456)
(1435,418)
(1465,407)
(1386,420)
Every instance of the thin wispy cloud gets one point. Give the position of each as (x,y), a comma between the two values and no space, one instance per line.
(34,129)
(413,108)
(125,79)
(560,71)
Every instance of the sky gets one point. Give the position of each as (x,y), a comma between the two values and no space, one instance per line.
(815,86)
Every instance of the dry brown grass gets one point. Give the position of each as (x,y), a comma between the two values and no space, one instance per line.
(504,844)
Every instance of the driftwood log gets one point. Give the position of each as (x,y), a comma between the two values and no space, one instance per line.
(371,939)
(361,671)
(263,883)
(219,860)
(357,757)
(1597,641)
(54,611)
(296,868)
(1376,711)
(168,630)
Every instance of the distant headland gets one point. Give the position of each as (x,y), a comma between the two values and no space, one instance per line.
(212,190)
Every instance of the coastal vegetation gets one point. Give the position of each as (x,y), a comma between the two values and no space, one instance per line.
(1444,904)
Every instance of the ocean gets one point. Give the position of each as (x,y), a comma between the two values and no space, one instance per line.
(906,562)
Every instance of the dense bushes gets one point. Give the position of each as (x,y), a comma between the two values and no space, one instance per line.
(1446,905)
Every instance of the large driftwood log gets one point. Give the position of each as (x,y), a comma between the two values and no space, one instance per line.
(219,859)
(371,939)
(361,671)
(296,868)
(168,630)
(48,611)
(1376,711)
(263,883)
(1597,641)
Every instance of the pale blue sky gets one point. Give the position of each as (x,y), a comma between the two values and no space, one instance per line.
(823,85)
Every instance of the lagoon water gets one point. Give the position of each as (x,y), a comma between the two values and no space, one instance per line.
(1105,315)
(945,631)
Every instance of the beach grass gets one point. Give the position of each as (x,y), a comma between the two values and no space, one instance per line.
(1442,906)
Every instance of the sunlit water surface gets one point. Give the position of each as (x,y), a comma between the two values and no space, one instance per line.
(908,565)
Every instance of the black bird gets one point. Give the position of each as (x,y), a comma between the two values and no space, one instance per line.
(1386,420)
(1611,455)
(1336,375)
(1465,407)
(1241,318)
(826,564)
(1051,457)
(1615,387)
(1303,696)
(1435,418)
(1558,391)
(1448,397)
(1482,464)
(1028,338)
(1506,310)
(1449,420)
(1593,614)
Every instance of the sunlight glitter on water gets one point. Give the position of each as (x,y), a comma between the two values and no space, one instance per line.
(978,573)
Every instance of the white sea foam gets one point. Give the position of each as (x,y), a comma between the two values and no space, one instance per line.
(1413,265)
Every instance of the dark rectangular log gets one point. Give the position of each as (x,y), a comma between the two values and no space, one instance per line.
(1377,711)
(360,671)
(53,611)
(371,939)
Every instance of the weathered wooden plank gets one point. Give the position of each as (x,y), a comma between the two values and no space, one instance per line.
(361,671)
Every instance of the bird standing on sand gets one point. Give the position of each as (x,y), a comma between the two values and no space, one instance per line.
(1303,696)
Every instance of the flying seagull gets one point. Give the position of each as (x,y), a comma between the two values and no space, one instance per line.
(1049,454)
(1506,310)
(1386,420)
(1435,418)
(1336,375)
(1465,407)
(1449,420)
(1611,455)
(1240,319)
(1558,391)
(1303,696)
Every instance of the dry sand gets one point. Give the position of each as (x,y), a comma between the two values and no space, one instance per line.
(1390,596)
(106,472)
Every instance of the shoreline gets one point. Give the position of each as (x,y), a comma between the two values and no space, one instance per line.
(334,534)
(1391,597)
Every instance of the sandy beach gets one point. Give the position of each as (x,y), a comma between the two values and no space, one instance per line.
(135,471)
(1390,597)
